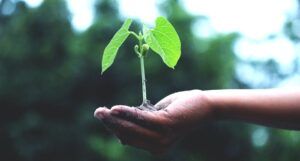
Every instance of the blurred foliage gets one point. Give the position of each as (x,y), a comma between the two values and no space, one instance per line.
(50,84)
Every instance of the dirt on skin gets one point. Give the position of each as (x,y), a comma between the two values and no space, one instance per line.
(147,106)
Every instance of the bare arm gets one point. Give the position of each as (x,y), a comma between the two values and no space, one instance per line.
(182,112)
(271,107)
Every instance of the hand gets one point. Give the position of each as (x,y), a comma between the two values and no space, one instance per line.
(155,131)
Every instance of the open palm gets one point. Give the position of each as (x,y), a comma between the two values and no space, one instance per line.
(156,131)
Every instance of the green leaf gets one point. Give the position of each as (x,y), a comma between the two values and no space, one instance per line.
(115,43)
(164,40)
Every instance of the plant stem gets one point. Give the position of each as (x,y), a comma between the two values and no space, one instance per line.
(143,79)
(142,68)
(141,53)
(134,34)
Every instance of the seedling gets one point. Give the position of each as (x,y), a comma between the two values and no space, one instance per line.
(162,39)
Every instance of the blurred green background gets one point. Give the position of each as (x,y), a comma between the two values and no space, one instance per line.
(50,85)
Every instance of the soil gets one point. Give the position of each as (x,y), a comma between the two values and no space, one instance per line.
(147,106)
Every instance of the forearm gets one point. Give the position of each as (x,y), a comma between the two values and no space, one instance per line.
(271,107)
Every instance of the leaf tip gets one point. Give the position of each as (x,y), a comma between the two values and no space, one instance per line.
(170,66)
(103,70)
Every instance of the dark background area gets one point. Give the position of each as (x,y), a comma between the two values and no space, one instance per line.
(50,85)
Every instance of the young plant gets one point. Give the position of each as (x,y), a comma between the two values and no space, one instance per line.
(162,39)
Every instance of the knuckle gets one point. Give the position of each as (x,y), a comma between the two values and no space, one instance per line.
(116,107)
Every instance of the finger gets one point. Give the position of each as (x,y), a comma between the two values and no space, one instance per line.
(99,112)
(154,120)
(165,102)
(126,127)
(132,134)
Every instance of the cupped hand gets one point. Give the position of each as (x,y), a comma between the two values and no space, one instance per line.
(155,131)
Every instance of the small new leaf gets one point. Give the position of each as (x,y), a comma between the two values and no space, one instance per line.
(164,40)
(113,46)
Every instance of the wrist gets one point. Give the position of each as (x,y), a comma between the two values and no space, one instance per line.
(214,99)
(208,103)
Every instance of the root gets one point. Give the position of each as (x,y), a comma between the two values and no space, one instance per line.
(147,106)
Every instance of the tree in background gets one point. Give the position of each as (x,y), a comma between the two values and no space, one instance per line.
(50,85)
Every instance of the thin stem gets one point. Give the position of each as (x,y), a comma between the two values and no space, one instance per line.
(143,79)
(134,34)
(142,68)
(141,53)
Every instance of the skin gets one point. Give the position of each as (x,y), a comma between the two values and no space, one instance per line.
(180,113)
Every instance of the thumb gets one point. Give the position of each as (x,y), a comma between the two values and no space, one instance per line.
(165,102)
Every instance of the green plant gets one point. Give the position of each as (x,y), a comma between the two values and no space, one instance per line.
(162,39)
